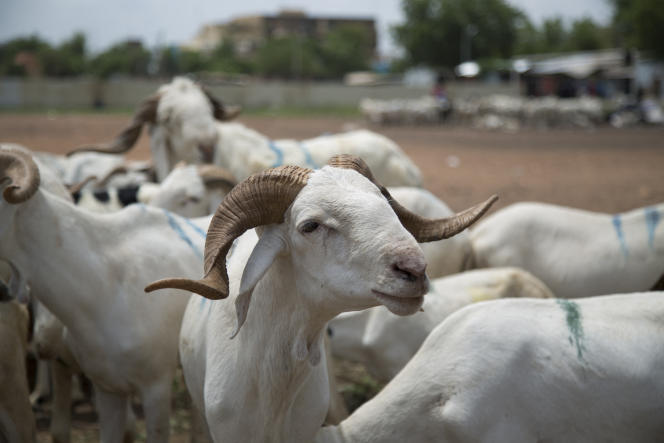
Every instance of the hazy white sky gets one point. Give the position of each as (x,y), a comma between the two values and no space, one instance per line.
(161,22)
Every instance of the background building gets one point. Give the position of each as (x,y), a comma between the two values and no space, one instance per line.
(249,32)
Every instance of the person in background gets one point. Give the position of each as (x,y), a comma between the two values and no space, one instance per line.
(440,94)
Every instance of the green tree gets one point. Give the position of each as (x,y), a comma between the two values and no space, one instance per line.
(224,58)
(553,35)
(69,59)
(9,51)
(345,49)
(446,32)
(640,23)
(129,57)
(289,57)
(586,35)
(528,38)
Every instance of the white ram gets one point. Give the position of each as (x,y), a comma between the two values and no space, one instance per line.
(328,242)
(519,370)
(572,251)
(88,269)
(182,123)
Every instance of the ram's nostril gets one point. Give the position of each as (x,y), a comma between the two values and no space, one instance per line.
(410,270)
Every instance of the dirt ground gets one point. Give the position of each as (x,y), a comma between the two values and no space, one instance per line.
(605,169)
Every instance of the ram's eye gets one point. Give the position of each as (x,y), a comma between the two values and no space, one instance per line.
(193,199)
(309,226)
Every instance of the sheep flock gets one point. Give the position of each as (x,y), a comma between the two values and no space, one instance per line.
(253,266)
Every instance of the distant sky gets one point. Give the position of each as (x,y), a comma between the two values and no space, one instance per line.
(164,22)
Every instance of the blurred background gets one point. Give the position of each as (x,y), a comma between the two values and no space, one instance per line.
(552,101)
(559,102)
(77,54)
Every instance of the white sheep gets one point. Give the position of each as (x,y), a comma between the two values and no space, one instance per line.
(188,190)
(518,370)
(573,251)
(425,109)
(87,269)
(17,422)
(55,363)
(182,123)
(384,342)
(328,242)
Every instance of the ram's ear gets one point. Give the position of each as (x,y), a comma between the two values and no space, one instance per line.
(269,246)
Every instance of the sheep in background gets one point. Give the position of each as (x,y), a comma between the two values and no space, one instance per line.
(124,343)
(421,110)
(188,190)
(575,252)
(384,342)
(183,127)
(17,422)
(193,190)
(518,370)
(328,242)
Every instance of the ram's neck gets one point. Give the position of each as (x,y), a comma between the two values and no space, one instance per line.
(285,329)
(53,243)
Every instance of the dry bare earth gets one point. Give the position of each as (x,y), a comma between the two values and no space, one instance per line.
(606,169)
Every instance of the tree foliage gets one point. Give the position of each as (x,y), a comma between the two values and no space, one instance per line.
(640,23)
(23,54)
(129,58)
(446,32)
(554,35)
(225,59)
(345,49)
(586,35)
(289,57)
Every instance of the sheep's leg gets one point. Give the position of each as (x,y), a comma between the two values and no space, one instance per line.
(157,407)
(61,409)
(42,385)
(199,429)
(77,392)
(112,410)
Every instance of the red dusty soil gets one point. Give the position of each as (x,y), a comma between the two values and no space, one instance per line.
(605,169)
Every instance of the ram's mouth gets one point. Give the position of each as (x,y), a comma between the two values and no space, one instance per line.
(399,305)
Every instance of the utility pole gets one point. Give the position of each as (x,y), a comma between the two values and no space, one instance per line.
(469,31)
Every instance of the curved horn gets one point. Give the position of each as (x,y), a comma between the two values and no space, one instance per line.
(76,187)
(259,200)
(215,176)
(146,113)
(119,169)
(423,229)
(23,175)
(221,112)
